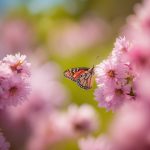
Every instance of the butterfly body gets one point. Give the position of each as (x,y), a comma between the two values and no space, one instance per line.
(83,76)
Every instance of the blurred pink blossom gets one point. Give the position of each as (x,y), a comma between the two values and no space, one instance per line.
(42,104)
(15,36)
(137,28)
(139,56)
(83,119)
(48,130)
(131,126)
(46,85)
(44,97)
(75,37)
(63,125)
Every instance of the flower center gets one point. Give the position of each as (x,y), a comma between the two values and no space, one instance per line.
(143,60)
(13,90)
(111,73)
(81,126)
(16,66)
(118,92)
(124,49)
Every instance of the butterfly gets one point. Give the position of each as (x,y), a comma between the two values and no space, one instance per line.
(83,76)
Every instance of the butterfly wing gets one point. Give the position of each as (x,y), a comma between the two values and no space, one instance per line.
(75,73)
(85,80)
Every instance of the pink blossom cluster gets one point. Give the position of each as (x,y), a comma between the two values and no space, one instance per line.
(138,31)
(43,102)
(42,122)
(115,77)
(14,80)
(130,128)
(76,121)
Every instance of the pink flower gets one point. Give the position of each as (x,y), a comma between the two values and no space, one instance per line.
(115,77)
(14,91)
(131,126)
(18,64)
(121,45)
(49,129)
(4,145)
(111,97)
(121,49)
(110,71)
(76,121)
(83,119)
(59,125)
(44,98)
(100,143)
(14,76)
(40,114)
(138,24)
(139,56)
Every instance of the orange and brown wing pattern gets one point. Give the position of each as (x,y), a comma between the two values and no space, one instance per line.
(82,76)
(85,80)
(75,73)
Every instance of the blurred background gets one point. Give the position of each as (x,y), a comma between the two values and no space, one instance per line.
(57,35)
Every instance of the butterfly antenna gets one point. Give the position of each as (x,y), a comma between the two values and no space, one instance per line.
(96,59)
